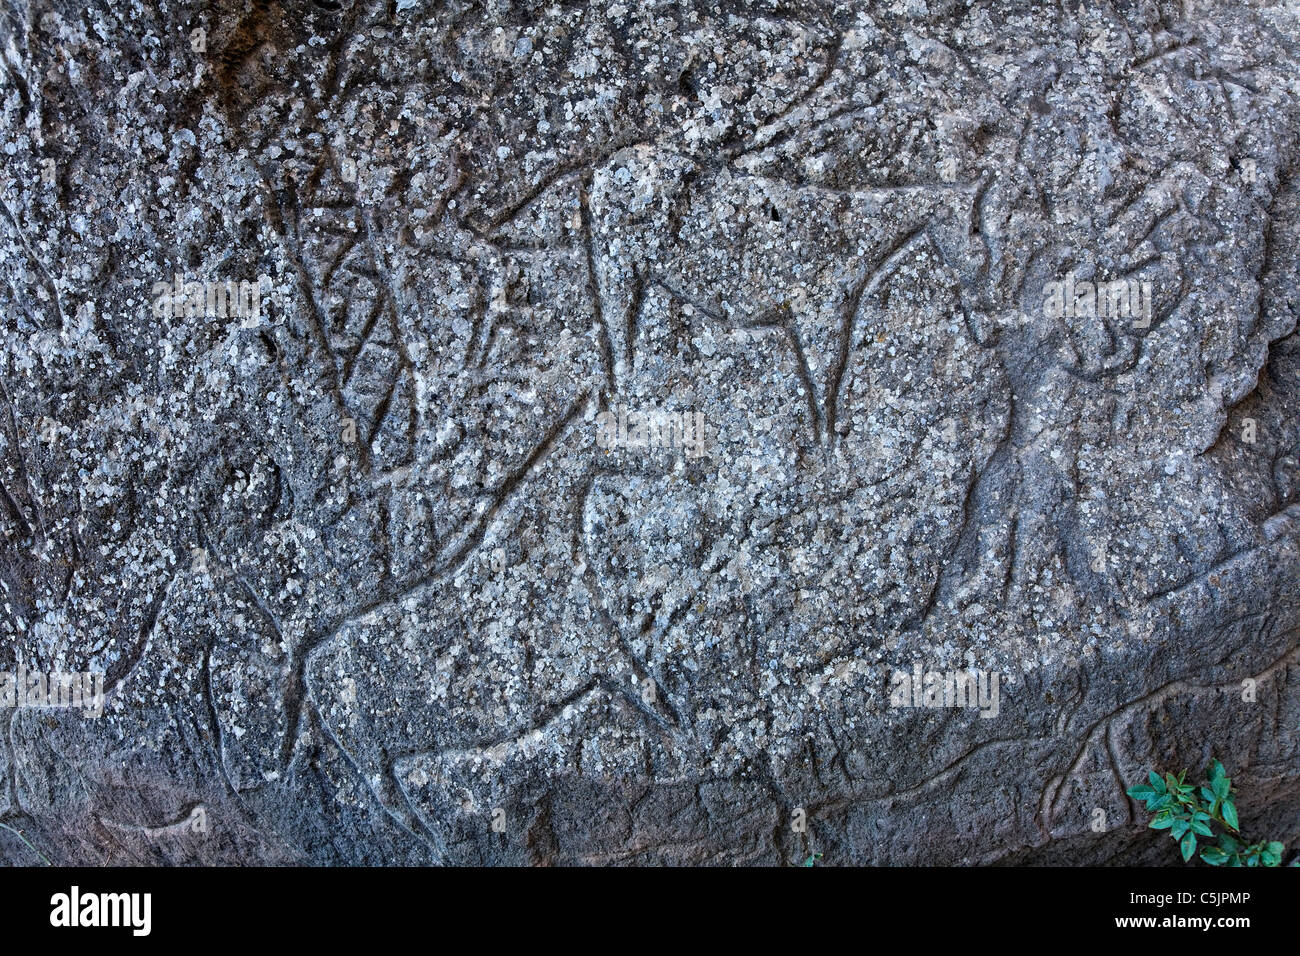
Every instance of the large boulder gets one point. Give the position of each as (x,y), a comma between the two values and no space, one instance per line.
(645,433)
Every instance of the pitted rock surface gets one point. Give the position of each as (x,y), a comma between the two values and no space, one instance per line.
(368,583)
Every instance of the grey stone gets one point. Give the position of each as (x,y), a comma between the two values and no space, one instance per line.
(410,551)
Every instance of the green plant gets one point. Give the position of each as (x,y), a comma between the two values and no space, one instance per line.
(1189,811)
(19,834)
(812,859)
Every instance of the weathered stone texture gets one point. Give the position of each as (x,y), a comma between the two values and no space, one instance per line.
(360,567)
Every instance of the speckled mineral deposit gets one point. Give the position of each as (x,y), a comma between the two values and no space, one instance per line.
(585,432)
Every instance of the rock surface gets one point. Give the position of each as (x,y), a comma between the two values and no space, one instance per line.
(373,563)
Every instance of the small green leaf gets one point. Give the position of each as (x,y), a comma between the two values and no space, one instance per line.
(1188,846)
(1171,782)
(1216,770)
(1179,828)
(1230,815)
(1161,802)
(1142,792)
(1221,787)
(1162,821)
(1213,856)
(1208,795)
